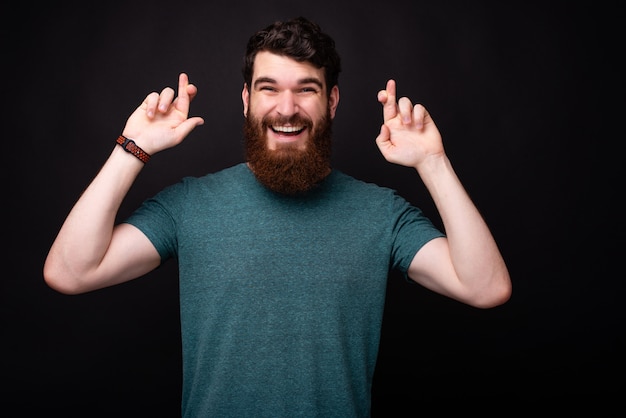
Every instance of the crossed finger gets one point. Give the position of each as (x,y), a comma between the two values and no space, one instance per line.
(183,100)
(388,99)
(165,99)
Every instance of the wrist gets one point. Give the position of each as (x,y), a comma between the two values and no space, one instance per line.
(132,148)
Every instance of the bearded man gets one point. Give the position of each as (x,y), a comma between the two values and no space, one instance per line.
(283,260)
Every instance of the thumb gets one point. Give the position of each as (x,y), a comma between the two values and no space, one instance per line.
(188,125)
(383,140)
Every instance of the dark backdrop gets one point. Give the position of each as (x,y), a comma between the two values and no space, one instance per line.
(527,95)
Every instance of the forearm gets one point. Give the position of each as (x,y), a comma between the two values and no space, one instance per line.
(84,237)
(474,253)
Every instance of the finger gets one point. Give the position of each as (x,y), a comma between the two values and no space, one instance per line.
(191,91)
(150,104)
(405,107)
(390,108)
(420,114)
(182,102)
(165,99)
(382,96)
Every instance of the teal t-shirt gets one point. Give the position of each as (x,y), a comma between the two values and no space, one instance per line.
(281,298)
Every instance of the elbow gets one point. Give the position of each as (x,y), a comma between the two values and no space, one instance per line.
(497,299)
(60,281)
(497,294)
(61,287)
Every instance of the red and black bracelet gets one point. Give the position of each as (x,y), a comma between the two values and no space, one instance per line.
(130,146)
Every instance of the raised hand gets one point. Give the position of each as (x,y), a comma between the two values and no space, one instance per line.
(161,121)
(408,134)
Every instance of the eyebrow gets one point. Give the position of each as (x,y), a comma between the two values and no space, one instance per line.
(307,80)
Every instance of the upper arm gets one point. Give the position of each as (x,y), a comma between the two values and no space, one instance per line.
(432,268)
(486,285)
(129,255)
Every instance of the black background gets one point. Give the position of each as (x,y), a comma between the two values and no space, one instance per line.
(528,97)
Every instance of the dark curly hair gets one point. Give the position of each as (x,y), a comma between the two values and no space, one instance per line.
(299,39)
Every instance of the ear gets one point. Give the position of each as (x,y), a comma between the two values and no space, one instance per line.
(245,98)
(333,100)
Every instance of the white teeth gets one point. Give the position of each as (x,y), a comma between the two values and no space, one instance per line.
(287,129)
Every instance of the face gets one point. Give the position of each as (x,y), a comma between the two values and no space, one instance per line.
(288,123)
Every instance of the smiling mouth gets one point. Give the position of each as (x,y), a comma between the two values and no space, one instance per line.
(287,130)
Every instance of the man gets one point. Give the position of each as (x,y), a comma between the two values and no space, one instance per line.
(283,260)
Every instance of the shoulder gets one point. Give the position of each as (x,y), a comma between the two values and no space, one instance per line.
(236,172)
(224,178)
(190,188)
(346,190)
(346,184)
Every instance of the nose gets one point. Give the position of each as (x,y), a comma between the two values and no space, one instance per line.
(287,103)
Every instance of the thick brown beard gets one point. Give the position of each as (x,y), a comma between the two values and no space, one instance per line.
(288,170)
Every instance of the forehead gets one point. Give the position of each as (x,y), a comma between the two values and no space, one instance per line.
(283,69)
